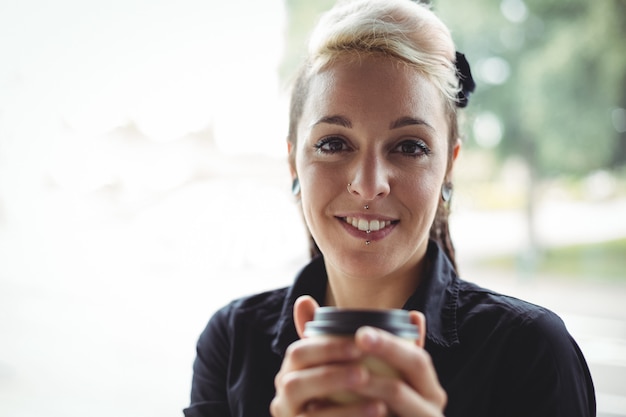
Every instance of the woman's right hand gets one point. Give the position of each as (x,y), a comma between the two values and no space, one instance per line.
(312,370)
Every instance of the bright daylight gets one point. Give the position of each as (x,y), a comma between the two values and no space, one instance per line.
(145,184)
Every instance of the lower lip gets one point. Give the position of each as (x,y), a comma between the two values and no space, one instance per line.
(372,236)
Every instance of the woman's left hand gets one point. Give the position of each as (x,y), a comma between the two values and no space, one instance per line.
(417,391)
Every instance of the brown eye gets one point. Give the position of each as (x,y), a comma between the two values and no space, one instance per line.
(331,145)
(412,148)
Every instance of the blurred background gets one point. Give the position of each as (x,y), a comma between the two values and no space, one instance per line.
(143,183)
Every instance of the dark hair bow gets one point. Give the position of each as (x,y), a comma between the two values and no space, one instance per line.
(465,79)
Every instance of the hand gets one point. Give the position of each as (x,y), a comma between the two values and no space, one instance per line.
(313,370)
(316,368)
(417,392)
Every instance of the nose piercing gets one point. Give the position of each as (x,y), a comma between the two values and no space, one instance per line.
(366,207)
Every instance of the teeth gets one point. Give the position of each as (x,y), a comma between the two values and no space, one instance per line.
(364,225)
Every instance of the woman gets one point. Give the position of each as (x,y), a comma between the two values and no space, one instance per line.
(372,143)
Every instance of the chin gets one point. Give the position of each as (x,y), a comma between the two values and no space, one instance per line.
(363,262)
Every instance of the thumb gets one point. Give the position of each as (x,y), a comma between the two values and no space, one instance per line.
(419,320)
(303,311)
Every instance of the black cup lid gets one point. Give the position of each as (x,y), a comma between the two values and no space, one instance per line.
(339,321)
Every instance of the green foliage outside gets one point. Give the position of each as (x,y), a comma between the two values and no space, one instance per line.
(594,262)
(566,64)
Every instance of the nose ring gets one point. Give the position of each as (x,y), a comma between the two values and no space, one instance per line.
(366,207)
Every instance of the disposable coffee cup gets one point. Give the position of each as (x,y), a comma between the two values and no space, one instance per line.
(338,322)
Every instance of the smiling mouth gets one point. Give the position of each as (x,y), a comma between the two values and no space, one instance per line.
(368,226)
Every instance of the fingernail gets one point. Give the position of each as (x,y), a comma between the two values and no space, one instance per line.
(372,410)
(370,336)
(355,376)
(352,351)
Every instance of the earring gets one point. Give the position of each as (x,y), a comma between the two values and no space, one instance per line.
(295,186)
(446,192)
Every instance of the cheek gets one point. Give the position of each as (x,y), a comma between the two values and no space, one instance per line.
(421,195)
(317,179)
(312,194)
(317,185)
(314,200)
(423,186)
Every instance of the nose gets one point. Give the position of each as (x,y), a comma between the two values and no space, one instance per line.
(370,180)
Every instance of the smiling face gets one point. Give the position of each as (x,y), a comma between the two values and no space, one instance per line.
(379,126)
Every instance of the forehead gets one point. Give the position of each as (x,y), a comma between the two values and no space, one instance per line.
(385,86)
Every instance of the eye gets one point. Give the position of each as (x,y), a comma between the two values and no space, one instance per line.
(332,144)
(412,148)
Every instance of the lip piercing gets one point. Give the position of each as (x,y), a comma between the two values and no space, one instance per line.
(367,242)
(366,207)
(368,231)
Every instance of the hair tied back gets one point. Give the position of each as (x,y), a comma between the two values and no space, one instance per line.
(466,81)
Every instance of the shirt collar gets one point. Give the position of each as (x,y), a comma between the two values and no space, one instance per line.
(436,297)
(312,280)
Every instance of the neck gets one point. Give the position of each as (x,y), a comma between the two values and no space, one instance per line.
(386,292)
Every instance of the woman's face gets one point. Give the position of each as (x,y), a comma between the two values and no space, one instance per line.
(381,127)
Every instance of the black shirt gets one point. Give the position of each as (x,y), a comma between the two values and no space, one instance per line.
(495,355)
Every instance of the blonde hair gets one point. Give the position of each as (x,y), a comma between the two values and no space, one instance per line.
(403,30)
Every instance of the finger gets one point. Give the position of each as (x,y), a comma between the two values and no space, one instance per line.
(306,353)
(307,386)
(401,399)
(418,319)
(303,312)
(363,409)
(414,363)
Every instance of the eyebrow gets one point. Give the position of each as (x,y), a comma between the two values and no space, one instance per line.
(334,120)
(401,122)
(409,121)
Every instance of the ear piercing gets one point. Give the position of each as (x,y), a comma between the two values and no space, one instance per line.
(295,186)
(446,192)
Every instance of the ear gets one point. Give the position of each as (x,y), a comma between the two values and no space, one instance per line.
(292,167)
(419,320)
(456,149)
(303,311)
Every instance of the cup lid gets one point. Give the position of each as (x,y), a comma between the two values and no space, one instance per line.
(340,321)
